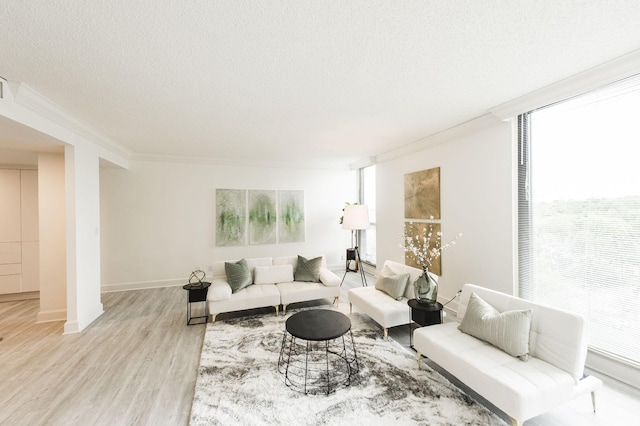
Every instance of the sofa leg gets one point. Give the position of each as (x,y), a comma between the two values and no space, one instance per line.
(213,318)
(336,301)
(277,309)
(386,334)
(284,310)
(515,422)
(593,400)
(419,359)
(350,308)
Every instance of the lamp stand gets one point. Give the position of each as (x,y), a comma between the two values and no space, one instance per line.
(361,269)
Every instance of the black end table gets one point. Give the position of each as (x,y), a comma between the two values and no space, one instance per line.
(424,315)
(196,292)
(324,360)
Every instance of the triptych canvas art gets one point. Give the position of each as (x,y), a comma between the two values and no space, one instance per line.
(259,217)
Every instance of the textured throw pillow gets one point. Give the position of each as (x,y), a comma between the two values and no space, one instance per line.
(508,330)
(308,269)
(393,285)
(238,275)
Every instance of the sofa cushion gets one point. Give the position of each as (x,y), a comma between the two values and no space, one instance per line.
(308,269)
(219,290)
(238,275)
(384,310)
(295,291)
(393,285)
(329,278)
(253,296)
(508,331)
(273,274)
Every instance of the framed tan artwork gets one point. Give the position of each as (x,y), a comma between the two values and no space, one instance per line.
(422,194)
(421,230)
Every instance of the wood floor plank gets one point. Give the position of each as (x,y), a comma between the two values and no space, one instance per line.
(136,364)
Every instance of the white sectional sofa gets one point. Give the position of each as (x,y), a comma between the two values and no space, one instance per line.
(382,308)
(553,374)
(273,285)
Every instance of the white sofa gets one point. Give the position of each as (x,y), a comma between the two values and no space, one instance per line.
(553,374)
(382,308)
(273,285)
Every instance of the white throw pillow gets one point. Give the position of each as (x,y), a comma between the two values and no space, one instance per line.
(508,330)
(273,274)
(393,285)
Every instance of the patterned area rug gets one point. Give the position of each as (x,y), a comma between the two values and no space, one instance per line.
(239,384)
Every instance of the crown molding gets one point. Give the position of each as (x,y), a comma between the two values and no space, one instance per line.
(463,129)
(591,79)
(30,99)
(160,158)
(362,163)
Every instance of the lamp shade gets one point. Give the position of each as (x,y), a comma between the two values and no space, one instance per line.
(356,217)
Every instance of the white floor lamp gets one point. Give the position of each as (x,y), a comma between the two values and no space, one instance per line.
(356,218)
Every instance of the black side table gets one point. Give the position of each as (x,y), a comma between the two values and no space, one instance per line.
(197,292)
(424,315)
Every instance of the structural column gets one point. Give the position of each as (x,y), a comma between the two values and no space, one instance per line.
(83,236)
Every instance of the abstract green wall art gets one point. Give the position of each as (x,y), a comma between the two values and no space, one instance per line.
(231,219)
(291,216)
(262,217)
(259,216)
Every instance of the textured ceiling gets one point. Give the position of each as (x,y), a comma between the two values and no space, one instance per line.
(329,82)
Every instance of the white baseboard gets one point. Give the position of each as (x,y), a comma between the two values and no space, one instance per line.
(71,327)
(51,316)
(143,285)
(620,370)
(25,295)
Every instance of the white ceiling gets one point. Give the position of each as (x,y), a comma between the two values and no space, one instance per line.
(329,82)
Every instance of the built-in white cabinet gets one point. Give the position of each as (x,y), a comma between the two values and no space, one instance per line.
(10,202)
(19,241)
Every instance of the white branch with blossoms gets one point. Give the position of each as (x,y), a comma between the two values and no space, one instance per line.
(420,245)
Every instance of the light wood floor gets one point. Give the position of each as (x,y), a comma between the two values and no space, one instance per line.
(137,365)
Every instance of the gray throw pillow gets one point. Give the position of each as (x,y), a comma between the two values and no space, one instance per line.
(393,285)
(238,275)
(308,269)
(508,330)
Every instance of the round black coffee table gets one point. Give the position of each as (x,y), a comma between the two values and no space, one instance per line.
(315,357)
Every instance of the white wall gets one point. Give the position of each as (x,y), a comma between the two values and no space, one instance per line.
(53,273)
(158,219)
(476,174)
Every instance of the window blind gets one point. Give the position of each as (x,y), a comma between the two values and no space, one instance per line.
(579,212)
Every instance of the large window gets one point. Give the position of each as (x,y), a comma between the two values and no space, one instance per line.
(579,213)
(368,197)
